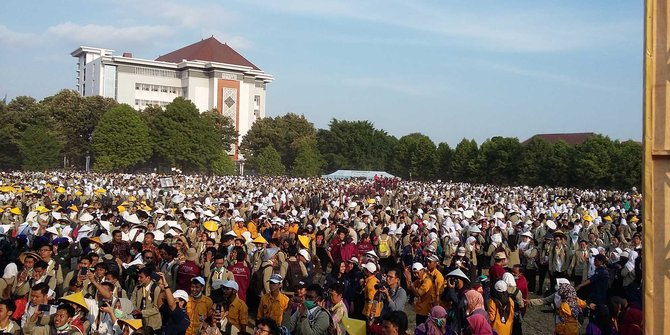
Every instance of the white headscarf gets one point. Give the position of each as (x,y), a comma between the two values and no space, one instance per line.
(10,271)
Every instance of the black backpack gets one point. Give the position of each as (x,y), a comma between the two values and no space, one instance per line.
(293,276)
(257,284)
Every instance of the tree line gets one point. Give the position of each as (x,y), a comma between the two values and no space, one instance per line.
(67,130)
(62,130)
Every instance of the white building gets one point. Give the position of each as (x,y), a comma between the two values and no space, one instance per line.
(209,73)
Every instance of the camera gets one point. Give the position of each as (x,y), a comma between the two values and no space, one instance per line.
(380,286)
(44,308)
(155,277)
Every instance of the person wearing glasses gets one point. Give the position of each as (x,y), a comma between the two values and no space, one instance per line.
(312,318)
(266,326)
(395,296)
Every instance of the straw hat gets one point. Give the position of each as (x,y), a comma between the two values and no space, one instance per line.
(76,298)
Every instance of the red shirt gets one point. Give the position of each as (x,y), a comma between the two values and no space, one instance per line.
(522,285)
(335,246)
(185,273)
(495,273)
(348,250)
(242,277)
(363,248)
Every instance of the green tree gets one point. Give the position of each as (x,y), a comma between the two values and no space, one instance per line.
(627,165)
(223,165)
(182,138)
(77,118)
(444,157)
(40,148)
(224,127)
(284,133)
(498,160)
(464,163)
(356,145)
(121,140)
(560,164)
(416,157)
(268,162)
(308,161)
(593,162)
(534,162)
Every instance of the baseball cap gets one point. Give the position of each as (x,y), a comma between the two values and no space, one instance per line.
(417,266)
(500,286)
(500,255)
(230,284)
(217,283)
(353,260)
(198,280)
(181,294)
(433,258)
(461,251)
(276,279)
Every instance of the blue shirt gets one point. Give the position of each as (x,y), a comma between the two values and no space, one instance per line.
(598,286)
(174,322)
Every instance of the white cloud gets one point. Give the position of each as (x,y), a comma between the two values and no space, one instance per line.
(510,29)
(390,85)
(14,39)
(236,42)
(552,77)
(108,36)
(189,15)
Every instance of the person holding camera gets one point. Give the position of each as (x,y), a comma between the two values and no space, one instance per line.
(173,310)
(395,297)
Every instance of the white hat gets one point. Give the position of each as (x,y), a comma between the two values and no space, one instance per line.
(180,294)
(353,260)
(458,273)
(560,281)
(551,224)
(230,284)
(527,234)
(371,253)
(304,253)
(86,217)
(370,267)
(500,286)
(217,284)
(133,219)
(417,266)
(199,280)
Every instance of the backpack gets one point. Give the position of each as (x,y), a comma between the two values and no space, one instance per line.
(332,328)
(384,248)
(293,276)
(257,284)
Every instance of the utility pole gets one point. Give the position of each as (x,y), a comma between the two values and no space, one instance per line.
(656,186)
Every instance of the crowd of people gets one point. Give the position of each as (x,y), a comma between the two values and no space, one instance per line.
(87,253)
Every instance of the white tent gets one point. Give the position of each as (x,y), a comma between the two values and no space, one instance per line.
(343,174)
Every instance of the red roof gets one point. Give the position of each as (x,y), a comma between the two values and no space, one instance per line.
(210,50)
(569,138)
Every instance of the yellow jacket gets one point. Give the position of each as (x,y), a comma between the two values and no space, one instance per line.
(273,308)
(369,295)
(424,299)
(197,311)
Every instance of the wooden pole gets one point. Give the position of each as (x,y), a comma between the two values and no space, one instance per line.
(656,187)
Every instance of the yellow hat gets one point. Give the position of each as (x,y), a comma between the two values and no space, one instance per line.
(125,203)
(78,193)
(211,225)
(42,209)
(121,209)
(134,324)
(371,201)
(76,298)
(304,241)
(588,218)
(608,218)
(101,191)
(60,190)
(15,211)
(147,208)
(260,239)
(132,198)
(74,208)
(96,240)
(634,219)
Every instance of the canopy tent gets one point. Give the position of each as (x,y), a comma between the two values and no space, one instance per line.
(343,174)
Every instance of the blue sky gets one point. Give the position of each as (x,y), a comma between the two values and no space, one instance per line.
(447,69)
